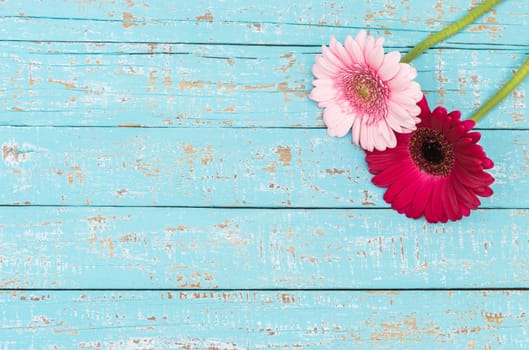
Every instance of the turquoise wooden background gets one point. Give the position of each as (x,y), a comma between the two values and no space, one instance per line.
(166,183)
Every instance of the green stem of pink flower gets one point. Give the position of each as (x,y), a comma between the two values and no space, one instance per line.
(452,29)
(505,90)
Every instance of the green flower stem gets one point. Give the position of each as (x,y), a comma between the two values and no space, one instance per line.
(452,29)
(505,90)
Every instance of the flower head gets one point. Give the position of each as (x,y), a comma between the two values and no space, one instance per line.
(436,171)
(365,90)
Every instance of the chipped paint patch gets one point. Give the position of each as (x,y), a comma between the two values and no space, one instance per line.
(66,84)
(334,171)
(207,16)
(183,85)
(205,154)
(285,155)
(129,20)
(13,154)
(367,198)
(74,173)
(494,317)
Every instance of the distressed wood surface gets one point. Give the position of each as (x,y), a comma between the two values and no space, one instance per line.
(226,167)
(182,85)
(255,248)
(236,320)
(267,22)
(165,183)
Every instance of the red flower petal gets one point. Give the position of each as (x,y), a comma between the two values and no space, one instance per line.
(421,199)
(468,124)
(406,196)
(418,185)
(396,188)
(487,163)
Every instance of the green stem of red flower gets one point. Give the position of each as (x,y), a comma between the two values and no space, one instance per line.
(505,90)
(452,29)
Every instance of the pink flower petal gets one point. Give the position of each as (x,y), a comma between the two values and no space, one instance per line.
(414,91)
(374,55)
(356,131)
(326,66)
(340,52)
(405,101)
(379,140)
(322,94)
(369,45)
(425,109)
(356,81)
(330,57)
(324,83)
(338,123)
(414,111)
(405,73)
(401,115)
(361,39)
(323,91)
(366,142)
(387,134)
(390,65)
(394,124)
(320,72)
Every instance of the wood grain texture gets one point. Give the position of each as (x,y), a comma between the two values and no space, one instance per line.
(255,248)
(268,22)
(177,85)
(226,167)
(264,320)
(170,146)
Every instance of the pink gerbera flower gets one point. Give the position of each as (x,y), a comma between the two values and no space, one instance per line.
(436,171)
(366,91)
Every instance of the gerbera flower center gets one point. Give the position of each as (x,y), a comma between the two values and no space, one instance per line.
(366,93)
(431,151)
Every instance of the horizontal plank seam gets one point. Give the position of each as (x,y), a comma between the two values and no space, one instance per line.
(212,21)
(221,207)
(476,289)
(498,46)
(41,126)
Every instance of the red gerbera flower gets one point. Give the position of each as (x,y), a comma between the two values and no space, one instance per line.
(437,170)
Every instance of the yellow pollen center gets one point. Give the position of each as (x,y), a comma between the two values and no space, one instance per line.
(366,93)
(363,92)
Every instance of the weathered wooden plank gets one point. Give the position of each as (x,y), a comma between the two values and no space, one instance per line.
(175,85)
(257,320)
(228,167)
(255,248)
(269,22)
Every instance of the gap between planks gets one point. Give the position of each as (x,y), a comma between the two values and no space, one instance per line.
(102,206)
(200,290)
